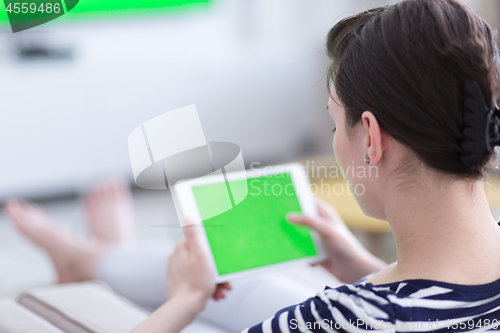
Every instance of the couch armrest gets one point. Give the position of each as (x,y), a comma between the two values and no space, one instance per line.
(16,319)
(85,307)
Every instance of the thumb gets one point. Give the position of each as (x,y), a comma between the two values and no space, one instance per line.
(315,222)
(325,210)
(192,237)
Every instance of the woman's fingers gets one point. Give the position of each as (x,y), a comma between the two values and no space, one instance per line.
(192,237)
(317,223)
(181,247)
(226,285)
(191,250)
(325,210)
(219,292)
(322,223)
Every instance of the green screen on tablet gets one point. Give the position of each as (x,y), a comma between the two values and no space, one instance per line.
(255,233)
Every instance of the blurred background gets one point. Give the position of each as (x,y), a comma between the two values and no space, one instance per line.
(73,89)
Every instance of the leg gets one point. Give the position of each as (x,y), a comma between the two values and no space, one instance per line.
(74,259)
(110,221)
(139,275)
(109,213)
(254,300)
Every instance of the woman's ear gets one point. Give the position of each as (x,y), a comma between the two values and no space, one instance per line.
(372,137)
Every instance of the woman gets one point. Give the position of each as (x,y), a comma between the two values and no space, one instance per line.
(414,92)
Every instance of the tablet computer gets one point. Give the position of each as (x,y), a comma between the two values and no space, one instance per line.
(252,235)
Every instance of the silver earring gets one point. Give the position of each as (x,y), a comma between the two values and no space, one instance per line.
(367,159)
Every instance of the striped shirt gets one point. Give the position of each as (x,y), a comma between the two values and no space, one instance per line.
(407,306)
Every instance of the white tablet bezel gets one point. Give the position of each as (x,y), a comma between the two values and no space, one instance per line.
(185,197)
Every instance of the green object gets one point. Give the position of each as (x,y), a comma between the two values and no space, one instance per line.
(96,9)
(255,233)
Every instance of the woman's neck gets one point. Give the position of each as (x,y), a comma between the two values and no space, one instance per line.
(444,232)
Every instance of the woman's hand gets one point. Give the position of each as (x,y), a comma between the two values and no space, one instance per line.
(348,259)
(189,273)
(190,284)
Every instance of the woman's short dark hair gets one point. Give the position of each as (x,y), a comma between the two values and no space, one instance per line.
(407,64)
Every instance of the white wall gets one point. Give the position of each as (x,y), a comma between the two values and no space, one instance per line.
(255,70)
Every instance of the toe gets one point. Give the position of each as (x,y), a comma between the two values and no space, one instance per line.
(15,210)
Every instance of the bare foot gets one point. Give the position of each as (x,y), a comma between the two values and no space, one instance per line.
(110,219)
(74,259)
(109,213)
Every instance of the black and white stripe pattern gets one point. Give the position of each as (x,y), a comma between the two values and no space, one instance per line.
(408,306)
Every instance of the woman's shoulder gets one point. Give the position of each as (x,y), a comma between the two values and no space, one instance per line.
(418,300)
(364,305)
